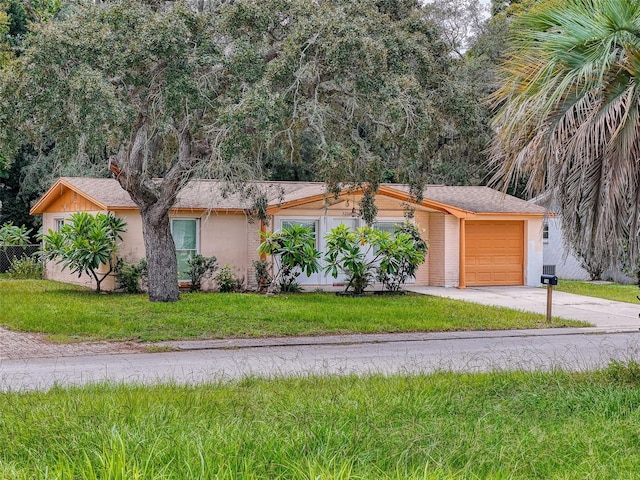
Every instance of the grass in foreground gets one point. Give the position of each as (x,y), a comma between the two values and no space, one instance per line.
(442,426)
(612,291)
(65,313)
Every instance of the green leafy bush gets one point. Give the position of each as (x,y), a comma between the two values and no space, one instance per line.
(11,236)
(200,268)
(400,256)
(367,253)
(86,243)
(264,278)
(26,268)
(227,280)
(348,253)
(131,277)
(294,251)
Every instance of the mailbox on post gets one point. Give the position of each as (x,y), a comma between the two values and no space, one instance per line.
(549,280)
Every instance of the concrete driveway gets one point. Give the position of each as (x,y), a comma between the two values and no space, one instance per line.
(605,314)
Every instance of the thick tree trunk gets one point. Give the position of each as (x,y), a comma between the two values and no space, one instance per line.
(155,198)
(161,256)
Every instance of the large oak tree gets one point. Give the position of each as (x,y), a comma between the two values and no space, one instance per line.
(166,92)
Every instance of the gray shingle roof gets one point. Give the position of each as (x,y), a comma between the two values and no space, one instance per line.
(480,200)
(106,191)
(197,194)
(210,194)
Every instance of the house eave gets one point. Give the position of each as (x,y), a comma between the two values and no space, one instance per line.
(506,214)
(202,211)
(384,190)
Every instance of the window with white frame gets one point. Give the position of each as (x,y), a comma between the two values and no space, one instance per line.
(311,224)
(545,232)
(185,237)
(389,227)
(58,224)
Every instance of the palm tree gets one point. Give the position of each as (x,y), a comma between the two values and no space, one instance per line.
(568,118)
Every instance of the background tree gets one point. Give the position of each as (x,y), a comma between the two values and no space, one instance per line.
(511,8)
(478,72)
(477,35)
(459,158)
(460,21)
(18,186)
(476,43)
(5,48)
(363,87)
(14,206)
(569,118)
(86,243)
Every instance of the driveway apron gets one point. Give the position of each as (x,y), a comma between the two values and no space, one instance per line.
(605,314)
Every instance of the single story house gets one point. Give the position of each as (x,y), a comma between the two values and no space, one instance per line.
(476,235)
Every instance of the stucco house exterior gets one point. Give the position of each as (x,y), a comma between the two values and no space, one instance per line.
(476,235)
(559,256)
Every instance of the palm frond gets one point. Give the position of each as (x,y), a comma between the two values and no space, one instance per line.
(568,117)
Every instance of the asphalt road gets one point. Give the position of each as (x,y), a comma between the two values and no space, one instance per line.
(469,352)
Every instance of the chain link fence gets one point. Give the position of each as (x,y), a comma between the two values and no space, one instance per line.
(9,252)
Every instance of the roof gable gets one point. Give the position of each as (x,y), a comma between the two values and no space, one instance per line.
(64,196)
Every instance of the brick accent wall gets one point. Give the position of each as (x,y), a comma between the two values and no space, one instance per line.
(436,255)
(253,242)
(452,251)
(422,222)
(444,248)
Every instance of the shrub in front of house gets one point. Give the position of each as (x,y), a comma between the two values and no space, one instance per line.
(400,256)
(262,271)
(227,281)
(348,252)
(26,268)
(200,268)
(294,252)
(86,243)
(365,254)
(131,277)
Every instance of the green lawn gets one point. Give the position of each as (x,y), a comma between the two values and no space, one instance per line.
(66,313)
(613,291)
(443,426)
